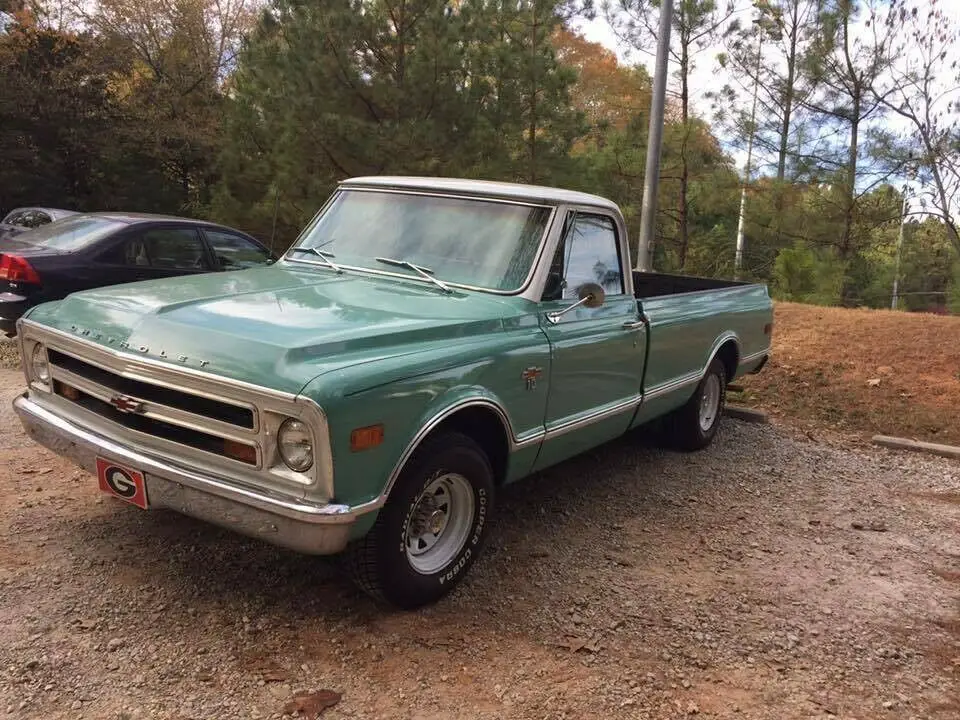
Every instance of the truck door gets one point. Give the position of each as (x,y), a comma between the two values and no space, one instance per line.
(597,354)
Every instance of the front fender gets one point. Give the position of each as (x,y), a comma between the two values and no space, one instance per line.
(409,408)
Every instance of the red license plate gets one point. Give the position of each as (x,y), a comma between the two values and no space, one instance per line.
(122,482)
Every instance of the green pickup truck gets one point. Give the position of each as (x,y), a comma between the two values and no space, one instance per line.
(423,342)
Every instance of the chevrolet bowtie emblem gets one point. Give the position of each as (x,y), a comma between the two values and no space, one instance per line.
(126,404)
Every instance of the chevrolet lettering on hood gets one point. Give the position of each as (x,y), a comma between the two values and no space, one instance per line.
(142,349)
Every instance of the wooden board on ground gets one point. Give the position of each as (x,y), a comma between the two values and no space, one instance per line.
(895,443)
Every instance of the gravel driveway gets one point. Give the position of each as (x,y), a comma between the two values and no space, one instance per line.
(767,577)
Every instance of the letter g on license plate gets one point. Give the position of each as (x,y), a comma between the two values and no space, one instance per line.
(122,482)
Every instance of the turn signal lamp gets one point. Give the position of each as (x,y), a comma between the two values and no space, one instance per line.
(366,437)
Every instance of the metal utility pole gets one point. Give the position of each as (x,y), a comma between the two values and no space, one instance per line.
(738,258)
(896,272)
(651,178)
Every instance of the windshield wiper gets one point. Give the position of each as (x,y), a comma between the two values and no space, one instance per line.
(424,272)
(322,254)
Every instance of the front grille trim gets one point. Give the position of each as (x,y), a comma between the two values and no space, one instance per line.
(151,427)
(162,413)
(161,395)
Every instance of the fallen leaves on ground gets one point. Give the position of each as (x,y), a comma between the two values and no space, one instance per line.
(861,371)
(872,526)
(271,672)
(576,644)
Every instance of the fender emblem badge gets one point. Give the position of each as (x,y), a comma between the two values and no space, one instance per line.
(530,375)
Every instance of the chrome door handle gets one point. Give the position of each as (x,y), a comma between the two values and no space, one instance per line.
(634,324)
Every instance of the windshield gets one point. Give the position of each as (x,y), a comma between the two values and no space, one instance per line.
(71,233)
(481,243)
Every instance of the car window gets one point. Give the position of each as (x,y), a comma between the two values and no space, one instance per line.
(14,218)
(34,218)
(167,248)
(132,251)
(72,233)
(588,253)
(483,243)
(236,252)
(175,248)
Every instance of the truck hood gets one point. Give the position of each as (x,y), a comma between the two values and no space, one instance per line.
(275,327)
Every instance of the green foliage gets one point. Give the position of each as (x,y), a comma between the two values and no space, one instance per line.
(64,131)
(801,274)
(360,87)
(953,299)
(795,273)
(151,108)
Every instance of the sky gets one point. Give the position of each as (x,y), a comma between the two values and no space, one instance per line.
(707,75)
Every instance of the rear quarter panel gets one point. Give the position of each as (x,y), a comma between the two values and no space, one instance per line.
(686,331)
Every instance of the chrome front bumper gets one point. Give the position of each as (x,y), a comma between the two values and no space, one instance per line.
(316,529)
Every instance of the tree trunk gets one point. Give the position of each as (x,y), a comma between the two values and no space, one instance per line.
(683,229)
(847,248)
(788,93)
(533,98)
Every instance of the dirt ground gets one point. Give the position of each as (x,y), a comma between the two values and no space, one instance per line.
(863,371)
(769,577)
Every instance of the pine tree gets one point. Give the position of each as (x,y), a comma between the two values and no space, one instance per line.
(847,62)
(427,87)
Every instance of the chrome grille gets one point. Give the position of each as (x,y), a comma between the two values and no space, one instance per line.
(150,426)
(160,411)
(186,402)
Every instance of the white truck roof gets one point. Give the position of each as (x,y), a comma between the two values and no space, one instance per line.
(536,194)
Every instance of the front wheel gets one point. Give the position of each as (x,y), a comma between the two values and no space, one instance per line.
(693,426)
(431,529)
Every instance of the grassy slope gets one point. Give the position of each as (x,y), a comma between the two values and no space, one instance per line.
(825,358)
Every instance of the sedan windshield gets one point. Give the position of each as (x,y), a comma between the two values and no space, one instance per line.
(71,233)
(481,243)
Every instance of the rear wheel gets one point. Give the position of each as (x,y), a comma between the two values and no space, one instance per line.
(693,426)
(432,528)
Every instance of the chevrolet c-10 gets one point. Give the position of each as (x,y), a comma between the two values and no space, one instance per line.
(422,343)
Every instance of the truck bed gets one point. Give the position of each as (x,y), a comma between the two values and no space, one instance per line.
(689,318)
(650,284)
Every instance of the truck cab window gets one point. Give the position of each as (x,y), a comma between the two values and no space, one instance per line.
(589,251)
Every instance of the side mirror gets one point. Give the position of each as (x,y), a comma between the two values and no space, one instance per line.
(590,295)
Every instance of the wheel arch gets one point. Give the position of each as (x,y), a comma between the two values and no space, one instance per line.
(480,418)
(726,348)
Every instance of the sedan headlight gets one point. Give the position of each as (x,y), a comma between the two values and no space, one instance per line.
(39,369)
(295,445)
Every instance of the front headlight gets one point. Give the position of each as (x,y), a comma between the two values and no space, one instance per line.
(39,369)
(295,445)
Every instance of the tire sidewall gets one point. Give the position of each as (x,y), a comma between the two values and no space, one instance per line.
(406,586)
(716,368)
